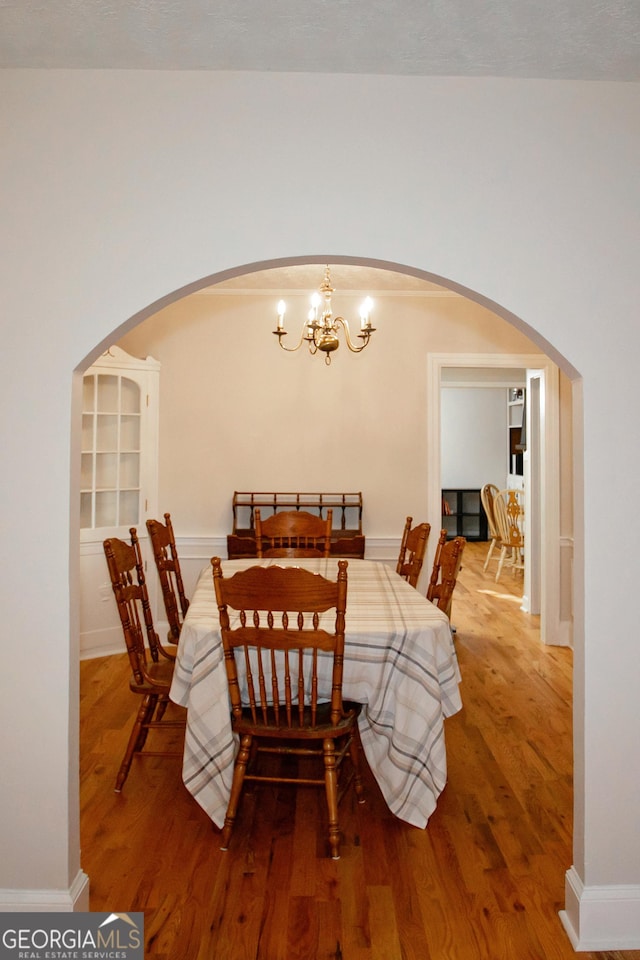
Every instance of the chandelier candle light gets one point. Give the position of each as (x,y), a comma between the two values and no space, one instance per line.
(320,329)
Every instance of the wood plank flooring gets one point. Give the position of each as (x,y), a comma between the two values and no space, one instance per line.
(484,880)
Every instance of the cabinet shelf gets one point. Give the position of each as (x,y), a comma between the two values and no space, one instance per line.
(463,514)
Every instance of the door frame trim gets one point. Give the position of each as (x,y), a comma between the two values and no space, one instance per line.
(551,630)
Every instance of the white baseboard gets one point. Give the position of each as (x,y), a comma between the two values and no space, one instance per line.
(101,643)
(201,548)
(385,549)
(73,900)
(563,636)
(601,918)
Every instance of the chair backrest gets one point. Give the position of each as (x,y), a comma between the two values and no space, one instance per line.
(412,551)
(293,533)
(509,516)
(126,571)
(487,495)
(165,554)
(446,567)
(275,620)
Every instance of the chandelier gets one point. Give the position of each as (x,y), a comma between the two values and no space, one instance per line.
(320,329)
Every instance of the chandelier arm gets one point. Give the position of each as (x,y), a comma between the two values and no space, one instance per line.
(282,333)
(365,335)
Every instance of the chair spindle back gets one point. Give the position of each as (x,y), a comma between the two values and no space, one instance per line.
(293,533)
(412,551)
(276,627)
(126,570)
(444,575)
(165,554)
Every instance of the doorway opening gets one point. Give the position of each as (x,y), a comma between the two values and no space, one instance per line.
(543,557)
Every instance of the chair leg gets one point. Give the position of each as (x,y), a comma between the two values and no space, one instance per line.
(503,555)
(150,704)
(331,789)
(136,739)
(354,753)
(490,551)
(236,789)
(162,706)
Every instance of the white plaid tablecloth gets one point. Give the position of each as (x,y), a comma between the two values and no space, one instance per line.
(399,662)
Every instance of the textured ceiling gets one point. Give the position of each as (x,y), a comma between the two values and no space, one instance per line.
(555,39)
(308,277)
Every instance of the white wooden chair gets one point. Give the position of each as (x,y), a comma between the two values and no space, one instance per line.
(509,515)
(487,495)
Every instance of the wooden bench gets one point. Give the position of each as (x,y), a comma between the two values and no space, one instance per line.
(347,539)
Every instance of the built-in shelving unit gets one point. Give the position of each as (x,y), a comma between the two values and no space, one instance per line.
(463,514)
(515,423)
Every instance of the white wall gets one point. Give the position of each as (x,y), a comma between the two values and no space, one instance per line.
(343,418)
(474,436)
(119,188)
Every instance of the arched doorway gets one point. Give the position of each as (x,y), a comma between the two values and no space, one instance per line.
(242,272)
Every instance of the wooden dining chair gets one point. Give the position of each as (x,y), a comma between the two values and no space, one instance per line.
(165,554)
(412,551)
(487,496)
(152,668)
(293,533)
(269,621)
(444,575)
(509,514)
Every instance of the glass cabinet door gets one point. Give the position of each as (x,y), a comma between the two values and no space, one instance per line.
(110,451)
(117,442)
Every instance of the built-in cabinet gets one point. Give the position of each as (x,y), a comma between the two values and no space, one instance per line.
(118,481)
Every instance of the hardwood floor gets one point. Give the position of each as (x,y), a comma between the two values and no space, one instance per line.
(484,880)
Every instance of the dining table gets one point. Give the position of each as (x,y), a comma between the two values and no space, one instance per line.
(399,663)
